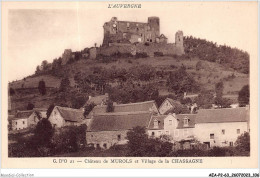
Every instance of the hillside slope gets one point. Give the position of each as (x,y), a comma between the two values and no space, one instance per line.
(207,76)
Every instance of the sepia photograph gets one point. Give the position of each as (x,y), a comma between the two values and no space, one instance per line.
(97,80)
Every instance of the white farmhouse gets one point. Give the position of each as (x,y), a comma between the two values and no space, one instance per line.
(221,127)
(180,126)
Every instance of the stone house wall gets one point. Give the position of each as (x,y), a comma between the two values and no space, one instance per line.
(105,139)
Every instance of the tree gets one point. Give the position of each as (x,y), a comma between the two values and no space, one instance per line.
(77,101)
(205,99)
(139,144)
(219,87)
(88,108)
(11,91)
(49,110)
(180,81)
(136,141)
(65,84)
(243,142)
(243,96)
(37,70)
(44,65)
(30,106)
(110,106)
(43,133)
(42,87)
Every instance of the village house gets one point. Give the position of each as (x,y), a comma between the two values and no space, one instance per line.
(147,106)
(36,116)
(168,104)
(179,127)
(63,116)
(99,100)
(20,120)
(221,127)
(25,119)
(156,126)
(111,128)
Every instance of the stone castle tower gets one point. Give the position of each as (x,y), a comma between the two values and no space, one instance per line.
(131,32)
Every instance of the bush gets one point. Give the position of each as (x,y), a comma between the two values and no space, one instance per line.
(141,55)
(30,106)
(69,139)
(243,143)
(158,54)
(43,133)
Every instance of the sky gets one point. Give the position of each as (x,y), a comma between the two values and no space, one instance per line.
(42,32)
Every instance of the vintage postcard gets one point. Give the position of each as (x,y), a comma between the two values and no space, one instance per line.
(129,85)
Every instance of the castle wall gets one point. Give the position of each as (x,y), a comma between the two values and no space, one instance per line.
(92,53)
(164,48)
(131,32)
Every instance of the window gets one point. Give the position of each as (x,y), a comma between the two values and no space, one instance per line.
(170,122)
(185,122)
(230,143)
(211,136)
(167,132)
(23,122)
(54,112)
(238,131)
(223,131)
(118,137)
(153,134)
(155,124)
(91,135)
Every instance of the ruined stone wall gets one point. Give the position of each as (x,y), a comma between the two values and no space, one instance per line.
(125,32)
(92,53)
(164,48)
(66,56)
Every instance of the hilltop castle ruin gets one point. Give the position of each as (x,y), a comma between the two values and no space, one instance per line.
(126,37)
(120,33)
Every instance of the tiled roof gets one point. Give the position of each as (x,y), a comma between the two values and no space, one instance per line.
(160,120)
(223,115)
(97,100)
(23,114)
(191,120)
(119,121)
(173,102)
(69,114)
(130,107)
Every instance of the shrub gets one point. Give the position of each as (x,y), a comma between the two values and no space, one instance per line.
(243,142)
(158,54)
(141,55)
(69,139)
